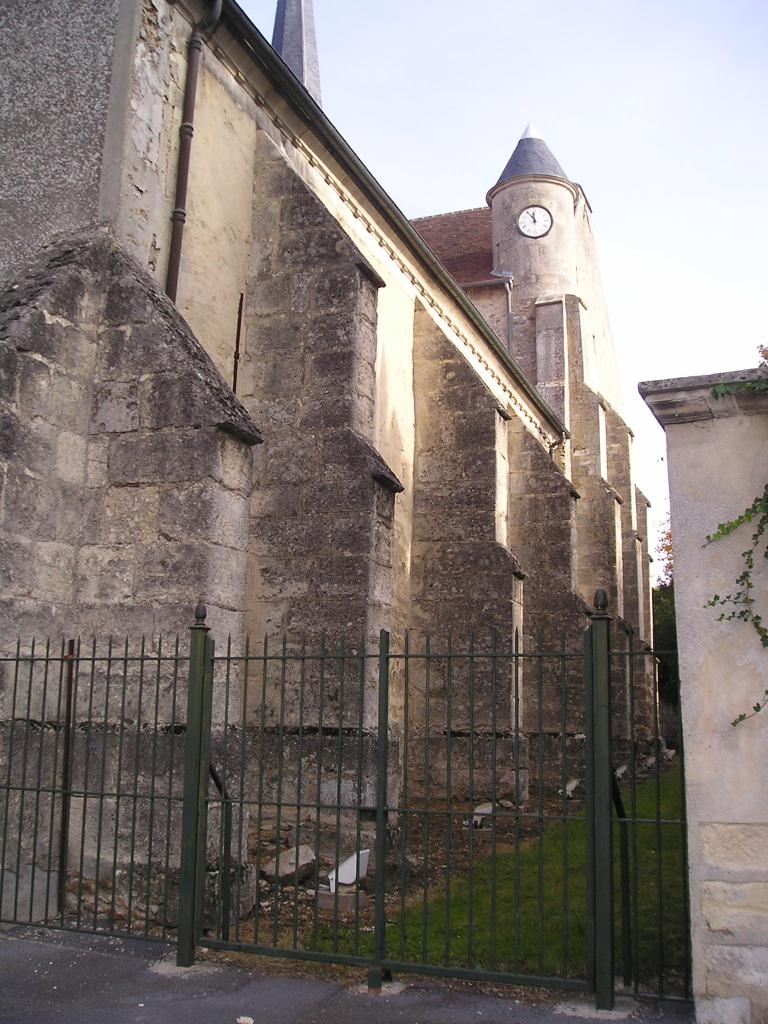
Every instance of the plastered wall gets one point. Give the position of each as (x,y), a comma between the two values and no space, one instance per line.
(718,464)
(52,172)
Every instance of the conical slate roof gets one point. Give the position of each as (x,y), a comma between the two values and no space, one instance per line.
(531,156)
(294,39)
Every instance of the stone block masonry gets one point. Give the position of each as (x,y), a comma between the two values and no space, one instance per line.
(126,459)
(320,558)
(126,476)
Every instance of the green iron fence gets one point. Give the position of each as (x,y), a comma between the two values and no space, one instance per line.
(434,805)
(91,752)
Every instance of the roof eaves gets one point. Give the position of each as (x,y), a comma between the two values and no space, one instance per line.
(273,66)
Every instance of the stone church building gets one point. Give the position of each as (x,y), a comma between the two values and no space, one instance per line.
(233,370)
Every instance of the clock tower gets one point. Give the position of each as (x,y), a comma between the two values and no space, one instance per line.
(532,216)
(528,261)
(559,331)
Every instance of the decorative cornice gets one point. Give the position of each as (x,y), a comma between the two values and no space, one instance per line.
(692,399)
(524,179)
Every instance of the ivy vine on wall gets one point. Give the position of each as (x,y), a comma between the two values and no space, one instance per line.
(740,604)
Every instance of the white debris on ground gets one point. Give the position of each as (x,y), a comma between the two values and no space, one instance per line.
(350,870)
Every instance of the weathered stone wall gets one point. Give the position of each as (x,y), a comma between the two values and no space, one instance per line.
(394,434)
(618,439)
(598,512)
(718,463)
(635,626)
(464,576)
(126,476)
(321,560)
(542,515)
(126,461)
(599,360)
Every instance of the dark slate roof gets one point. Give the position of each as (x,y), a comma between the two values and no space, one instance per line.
(531,156)
(295,41)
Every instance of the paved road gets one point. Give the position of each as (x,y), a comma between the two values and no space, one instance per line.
(80,979)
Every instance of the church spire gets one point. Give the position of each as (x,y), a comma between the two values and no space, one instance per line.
(294,39)
(531,156)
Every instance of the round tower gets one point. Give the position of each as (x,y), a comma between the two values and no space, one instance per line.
(532,211)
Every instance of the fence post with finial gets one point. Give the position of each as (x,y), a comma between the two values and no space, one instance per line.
(599,804)
(195,781)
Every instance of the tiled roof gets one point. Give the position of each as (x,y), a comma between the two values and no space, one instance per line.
(461,241)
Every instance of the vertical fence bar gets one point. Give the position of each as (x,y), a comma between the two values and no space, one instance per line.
(404,802)
(102,782)
(206,713)
(658,831)
(494,815)
(260,797)
(339,780)
(65,772)
(152,787)
(684,841)
(516,698)
(225,807)
(471,787)
(425,808)
(134,798)
(88,739)
(318,790)
(375,971)
(626,931)
(564,784)
(193,767)
(299,781)
(448,802)
(23,781)
(599,796)
(635,880)
(9,774)
(279,790)
(169,801)
(359,787)
(118,780)
(39,783)
(627,934)
(241,788)
(540,799)
(54,776)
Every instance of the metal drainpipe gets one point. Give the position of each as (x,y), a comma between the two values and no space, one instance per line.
(509,280)
(510,283)
(186,131)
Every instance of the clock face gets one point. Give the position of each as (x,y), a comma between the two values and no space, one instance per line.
(534,222)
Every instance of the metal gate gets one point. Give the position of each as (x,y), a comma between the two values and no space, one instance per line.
(493,808)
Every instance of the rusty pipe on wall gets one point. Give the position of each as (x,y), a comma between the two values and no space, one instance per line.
(186,132)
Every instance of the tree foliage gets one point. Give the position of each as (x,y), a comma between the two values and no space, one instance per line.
(664,621)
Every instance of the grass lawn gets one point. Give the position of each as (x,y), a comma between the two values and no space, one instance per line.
(537,923)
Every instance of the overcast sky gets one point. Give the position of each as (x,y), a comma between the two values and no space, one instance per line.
(658,109)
